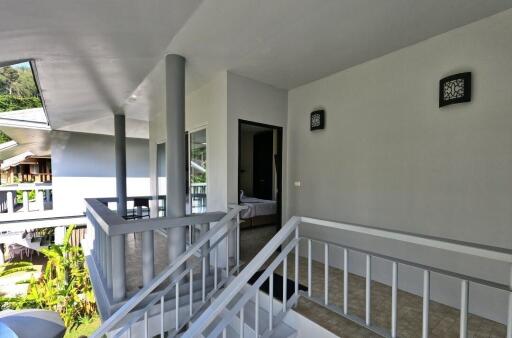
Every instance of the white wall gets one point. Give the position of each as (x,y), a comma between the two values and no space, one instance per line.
(83,165)
(207,107)
(390,157)
(218,105)
(253,101)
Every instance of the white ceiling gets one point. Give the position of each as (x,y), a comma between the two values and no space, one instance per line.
(92,54)
(287,43)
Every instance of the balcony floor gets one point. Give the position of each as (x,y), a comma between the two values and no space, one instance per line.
(133,254)
(444,320)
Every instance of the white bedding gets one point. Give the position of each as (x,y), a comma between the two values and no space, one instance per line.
(257,207)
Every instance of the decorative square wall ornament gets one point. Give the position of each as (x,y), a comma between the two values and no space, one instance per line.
(455,89)
(317,120)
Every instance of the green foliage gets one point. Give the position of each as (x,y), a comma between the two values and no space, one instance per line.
(198,178)
(64,286)
(18,89)
(12,102)
(19,196)
(10,268)
(4,137)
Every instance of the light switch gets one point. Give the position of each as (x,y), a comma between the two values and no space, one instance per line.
(296,183)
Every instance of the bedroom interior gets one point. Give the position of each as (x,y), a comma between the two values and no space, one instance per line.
(259,174)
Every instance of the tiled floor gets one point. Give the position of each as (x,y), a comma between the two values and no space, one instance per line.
(444,320)
(134,259)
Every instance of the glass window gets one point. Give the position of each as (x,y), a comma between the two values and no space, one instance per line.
(198,171)
(20,99)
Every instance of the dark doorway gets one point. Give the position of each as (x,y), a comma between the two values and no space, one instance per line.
(263,155)
(260,172)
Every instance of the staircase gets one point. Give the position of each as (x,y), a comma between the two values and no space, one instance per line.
(189,299)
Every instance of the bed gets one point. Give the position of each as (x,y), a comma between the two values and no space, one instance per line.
(258,212)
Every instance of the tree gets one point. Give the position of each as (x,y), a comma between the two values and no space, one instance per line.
(8,77)
(25,86)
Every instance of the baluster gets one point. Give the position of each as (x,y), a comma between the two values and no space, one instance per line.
(326,273)
(177,300)
(297,262)
(109,263)
(215,263)
(190,231)
(224,333)
(368,288)
(162,312)
(242,325)
(271,301)
(203,281)
(310,286)
(227,255)
(426,302)
(118,268)
(191,292)
(238,241)
(285,282)
(394,284)
(146,324)
(257,314)
(464,298)
(345,281)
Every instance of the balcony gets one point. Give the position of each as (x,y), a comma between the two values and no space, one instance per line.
(126,254)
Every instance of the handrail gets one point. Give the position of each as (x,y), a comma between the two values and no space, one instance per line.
(136,299)
(474,249)
(113,224)
(131,198)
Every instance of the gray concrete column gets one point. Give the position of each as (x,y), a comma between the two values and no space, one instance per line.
(10,202)
(117,242)
(175,150)
(148,254)
(120,150)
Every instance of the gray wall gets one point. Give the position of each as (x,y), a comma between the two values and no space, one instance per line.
(83,166)
(390,157)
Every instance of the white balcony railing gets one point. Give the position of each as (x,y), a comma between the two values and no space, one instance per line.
(43,197)
(227,311)
(107,233)
(187,283)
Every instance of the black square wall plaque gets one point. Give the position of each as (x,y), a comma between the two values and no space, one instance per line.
(455,89)
(317,120)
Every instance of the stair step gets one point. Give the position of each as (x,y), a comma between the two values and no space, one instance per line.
(280,329)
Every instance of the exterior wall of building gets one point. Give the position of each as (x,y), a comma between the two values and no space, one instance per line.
(84,166)
(390,157)
(207,107)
